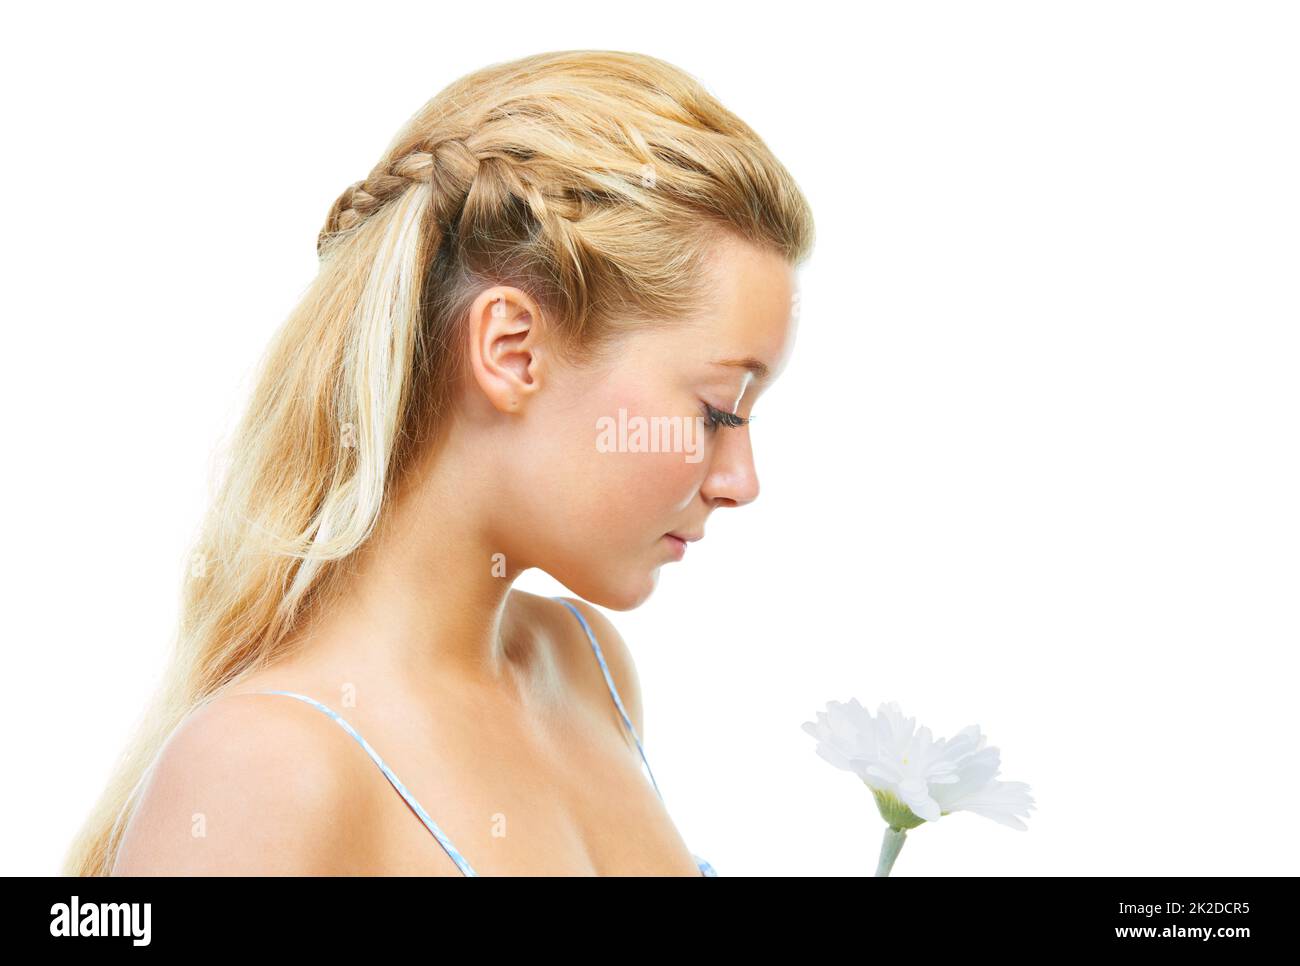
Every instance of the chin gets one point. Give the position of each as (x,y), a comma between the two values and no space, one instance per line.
(618,590)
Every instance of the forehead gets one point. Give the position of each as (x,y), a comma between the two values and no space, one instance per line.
(749,312)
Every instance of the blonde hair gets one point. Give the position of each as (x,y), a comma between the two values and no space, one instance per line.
(596,181)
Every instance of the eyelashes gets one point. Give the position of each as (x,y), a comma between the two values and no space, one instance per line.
(714,418)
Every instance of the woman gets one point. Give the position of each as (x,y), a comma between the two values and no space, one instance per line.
(550,246)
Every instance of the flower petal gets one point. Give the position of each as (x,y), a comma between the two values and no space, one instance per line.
(1000,801)
(916,796)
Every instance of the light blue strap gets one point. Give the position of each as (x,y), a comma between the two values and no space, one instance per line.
(604,669)
(388,773)
(705,868)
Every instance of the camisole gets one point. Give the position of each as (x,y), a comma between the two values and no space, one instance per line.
(705,868)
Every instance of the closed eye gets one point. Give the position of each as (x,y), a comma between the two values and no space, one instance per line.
(714,418)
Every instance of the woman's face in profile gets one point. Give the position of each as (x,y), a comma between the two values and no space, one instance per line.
(617,456)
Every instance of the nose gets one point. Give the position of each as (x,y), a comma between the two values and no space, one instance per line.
(732,479)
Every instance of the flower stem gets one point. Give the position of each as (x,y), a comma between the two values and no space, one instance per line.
(889,849)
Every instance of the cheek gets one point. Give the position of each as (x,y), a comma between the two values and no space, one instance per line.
(596,518)
(640,490)
(651,488)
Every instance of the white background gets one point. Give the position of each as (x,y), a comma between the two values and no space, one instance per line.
(1033,464)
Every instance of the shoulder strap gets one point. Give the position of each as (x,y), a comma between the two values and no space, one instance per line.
(705,868)
(609,682)
(388,773)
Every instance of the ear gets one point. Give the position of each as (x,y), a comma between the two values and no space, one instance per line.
(504,335)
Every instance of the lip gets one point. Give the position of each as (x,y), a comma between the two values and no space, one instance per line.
(678,543)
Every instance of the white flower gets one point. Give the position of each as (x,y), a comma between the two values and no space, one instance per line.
(914,778)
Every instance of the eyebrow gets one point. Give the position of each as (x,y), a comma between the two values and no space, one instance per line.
(758,368)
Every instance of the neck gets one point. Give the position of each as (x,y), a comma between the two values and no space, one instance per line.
(424,600)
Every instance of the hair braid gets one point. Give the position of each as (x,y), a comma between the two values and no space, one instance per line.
(445,163)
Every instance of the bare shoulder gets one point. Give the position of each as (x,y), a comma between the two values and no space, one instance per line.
(618,657)
(249,785)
